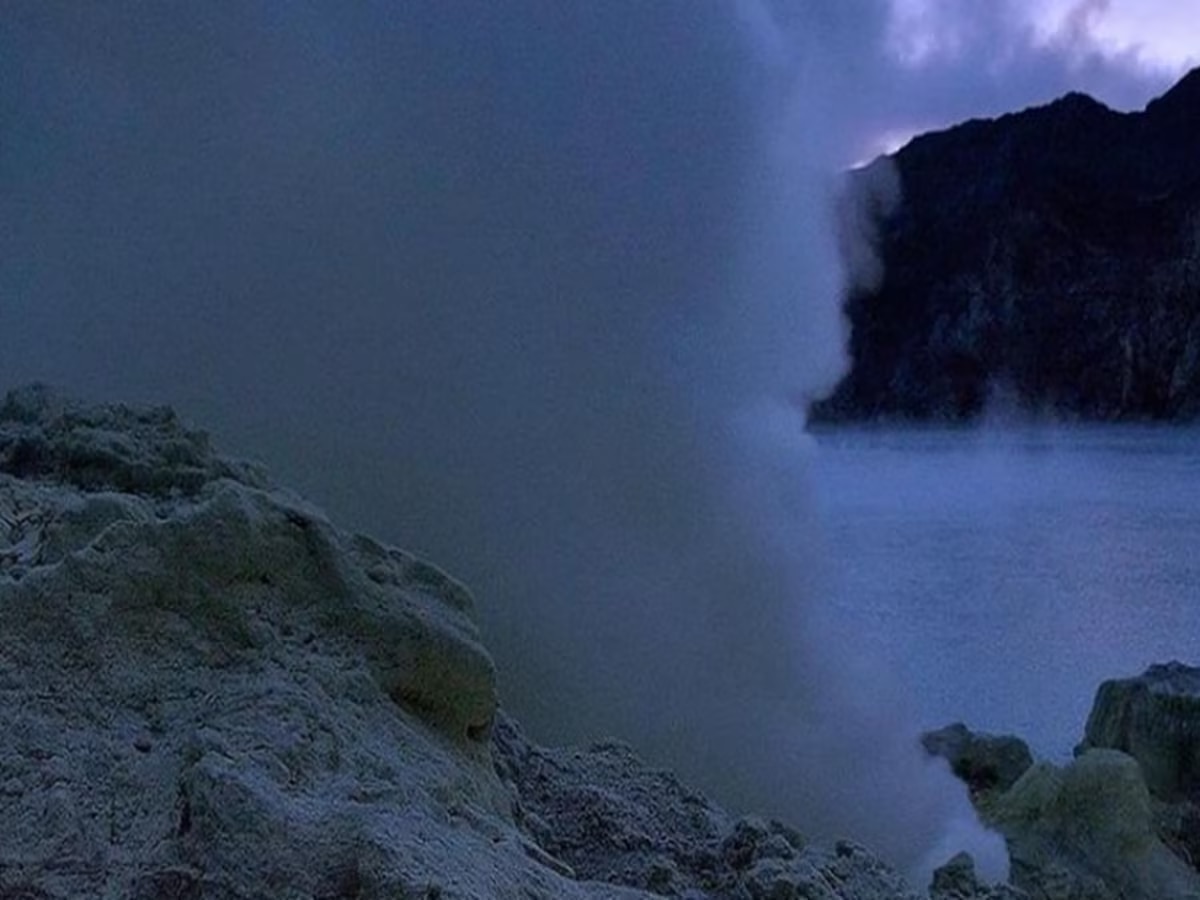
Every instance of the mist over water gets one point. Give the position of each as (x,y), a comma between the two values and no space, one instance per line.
(1004,572)
(537,289)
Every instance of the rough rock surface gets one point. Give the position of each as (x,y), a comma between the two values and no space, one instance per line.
(610,818)
(1046,260)
(208,691)
(984,762)
(1155,718)
(1178,826)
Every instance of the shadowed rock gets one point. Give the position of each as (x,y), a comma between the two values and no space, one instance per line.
(985,762)
(1155,718)
(956,880)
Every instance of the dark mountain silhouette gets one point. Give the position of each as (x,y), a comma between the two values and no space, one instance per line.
(1051,256)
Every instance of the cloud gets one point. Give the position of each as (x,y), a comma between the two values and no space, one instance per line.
(943,61)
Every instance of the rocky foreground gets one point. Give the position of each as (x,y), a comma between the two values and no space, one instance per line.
(209,691)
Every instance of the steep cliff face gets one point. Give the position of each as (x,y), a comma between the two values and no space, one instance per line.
(1051,256)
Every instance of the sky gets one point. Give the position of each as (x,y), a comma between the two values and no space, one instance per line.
(1157,34)
(1163,34)
(944,61)
(531,288)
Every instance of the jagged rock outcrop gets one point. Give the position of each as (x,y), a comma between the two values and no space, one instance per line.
(1048,259)
(1087,830)
(1120,822)
(209,691)
(1155,718)
(984,762)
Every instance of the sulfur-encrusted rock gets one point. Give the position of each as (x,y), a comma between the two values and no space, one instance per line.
(1086,832)
(1155,718)
(208,690)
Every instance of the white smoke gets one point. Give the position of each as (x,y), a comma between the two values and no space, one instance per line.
(540,289)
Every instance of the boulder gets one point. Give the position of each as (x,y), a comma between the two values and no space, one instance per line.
(956,880)
(985,762)
(1155,718)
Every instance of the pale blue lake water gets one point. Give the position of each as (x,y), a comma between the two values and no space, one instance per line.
(1003,574)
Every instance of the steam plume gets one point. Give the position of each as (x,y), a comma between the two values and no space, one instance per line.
(536,288)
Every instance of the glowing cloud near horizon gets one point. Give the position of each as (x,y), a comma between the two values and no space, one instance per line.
(1158,34)
(1153,34)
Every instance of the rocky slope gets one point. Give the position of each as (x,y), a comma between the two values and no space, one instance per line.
(1048,259)
(209,691)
